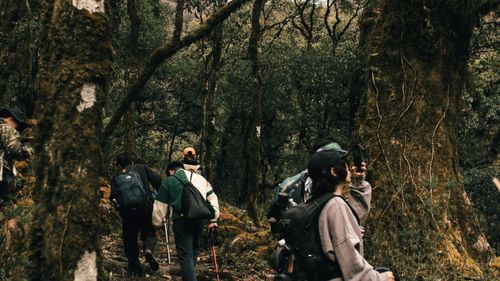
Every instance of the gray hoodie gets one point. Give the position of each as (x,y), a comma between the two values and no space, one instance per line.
(341,236)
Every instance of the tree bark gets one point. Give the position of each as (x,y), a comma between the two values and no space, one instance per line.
(128,123)
(209,132)
(254,142)
(16,56)
(415,58)
(75,63)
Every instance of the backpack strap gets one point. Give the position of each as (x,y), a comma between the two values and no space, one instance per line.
(322,200)
(177,178)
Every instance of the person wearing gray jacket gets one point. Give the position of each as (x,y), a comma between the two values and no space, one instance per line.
(340,234)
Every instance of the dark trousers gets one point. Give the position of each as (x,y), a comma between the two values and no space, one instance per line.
(133,223)
(6,188)
(187,235)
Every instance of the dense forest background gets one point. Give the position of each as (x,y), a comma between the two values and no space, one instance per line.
(252,85)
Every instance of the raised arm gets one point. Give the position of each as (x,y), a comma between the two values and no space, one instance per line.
(360,194)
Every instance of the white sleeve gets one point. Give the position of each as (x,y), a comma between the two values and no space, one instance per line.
(159,213)
(212,198)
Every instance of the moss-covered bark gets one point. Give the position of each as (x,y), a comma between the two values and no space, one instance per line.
(128,122)
(75,63)
(415,57)
(254,175)
(209,129)
(17,54)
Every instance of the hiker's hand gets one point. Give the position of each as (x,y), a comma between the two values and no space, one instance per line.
(212,226)
(390,275)
(358,176)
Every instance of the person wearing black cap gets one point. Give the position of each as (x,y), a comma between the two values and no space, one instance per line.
(137,220)
(12,121)
(340,231)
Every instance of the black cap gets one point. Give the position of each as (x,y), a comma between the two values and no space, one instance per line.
(321,162)
(18,115)
(174,165)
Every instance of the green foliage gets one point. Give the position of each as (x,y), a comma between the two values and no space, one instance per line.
(479,133)
(485,198)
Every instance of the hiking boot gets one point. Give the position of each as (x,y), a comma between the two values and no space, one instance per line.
(153,264)
(135,270)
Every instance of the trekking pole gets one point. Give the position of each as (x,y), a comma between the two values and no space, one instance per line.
(214,254)
(165,224)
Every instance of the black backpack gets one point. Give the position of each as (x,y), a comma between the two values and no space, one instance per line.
(290,191)
(298,225)
(131,193)
(193,205)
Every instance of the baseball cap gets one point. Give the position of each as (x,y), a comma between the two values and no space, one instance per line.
(321,162)
(189,151)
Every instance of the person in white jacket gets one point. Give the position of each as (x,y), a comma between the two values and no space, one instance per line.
(186,232)
(340,233)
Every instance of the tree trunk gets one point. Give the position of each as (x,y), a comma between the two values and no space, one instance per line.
(415,58)
(75,63)
(254,143)
(16,56)
(209,133)
(128,122)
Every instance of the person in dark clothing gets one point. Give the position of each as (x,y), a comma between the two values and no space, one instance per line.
(137,220)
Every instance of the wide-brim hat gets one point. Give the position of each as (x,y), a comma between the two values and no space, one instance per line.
(17,114)
(321,162)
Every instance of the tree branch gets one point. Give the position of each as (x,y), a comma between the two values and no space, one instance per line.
(179,21)
(164,52)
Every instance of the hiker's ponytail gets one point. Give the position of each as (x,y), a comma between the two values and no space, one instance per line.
(329,183)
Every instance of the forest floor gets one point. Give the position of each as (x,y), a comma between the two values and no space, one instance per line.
(236,260)
(115,262)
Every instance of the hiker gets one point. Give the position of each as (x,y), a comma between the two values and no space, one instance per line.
(296,189)
(186,231)
(190,163)
(340,233)
(135,218)
(12,121)
(290,192)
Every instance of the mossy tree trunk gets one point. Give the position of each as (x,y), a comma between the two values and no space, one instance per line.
(209,130)
(128,122)
(17,54)
(75,63)
(415,55)
(254,142)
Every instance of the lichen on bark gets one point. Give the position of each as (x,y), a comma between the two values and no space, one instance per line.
(75,63)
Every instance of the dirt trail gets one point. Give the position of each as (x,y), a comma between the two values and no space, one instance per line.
(115,262)
(242,256)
